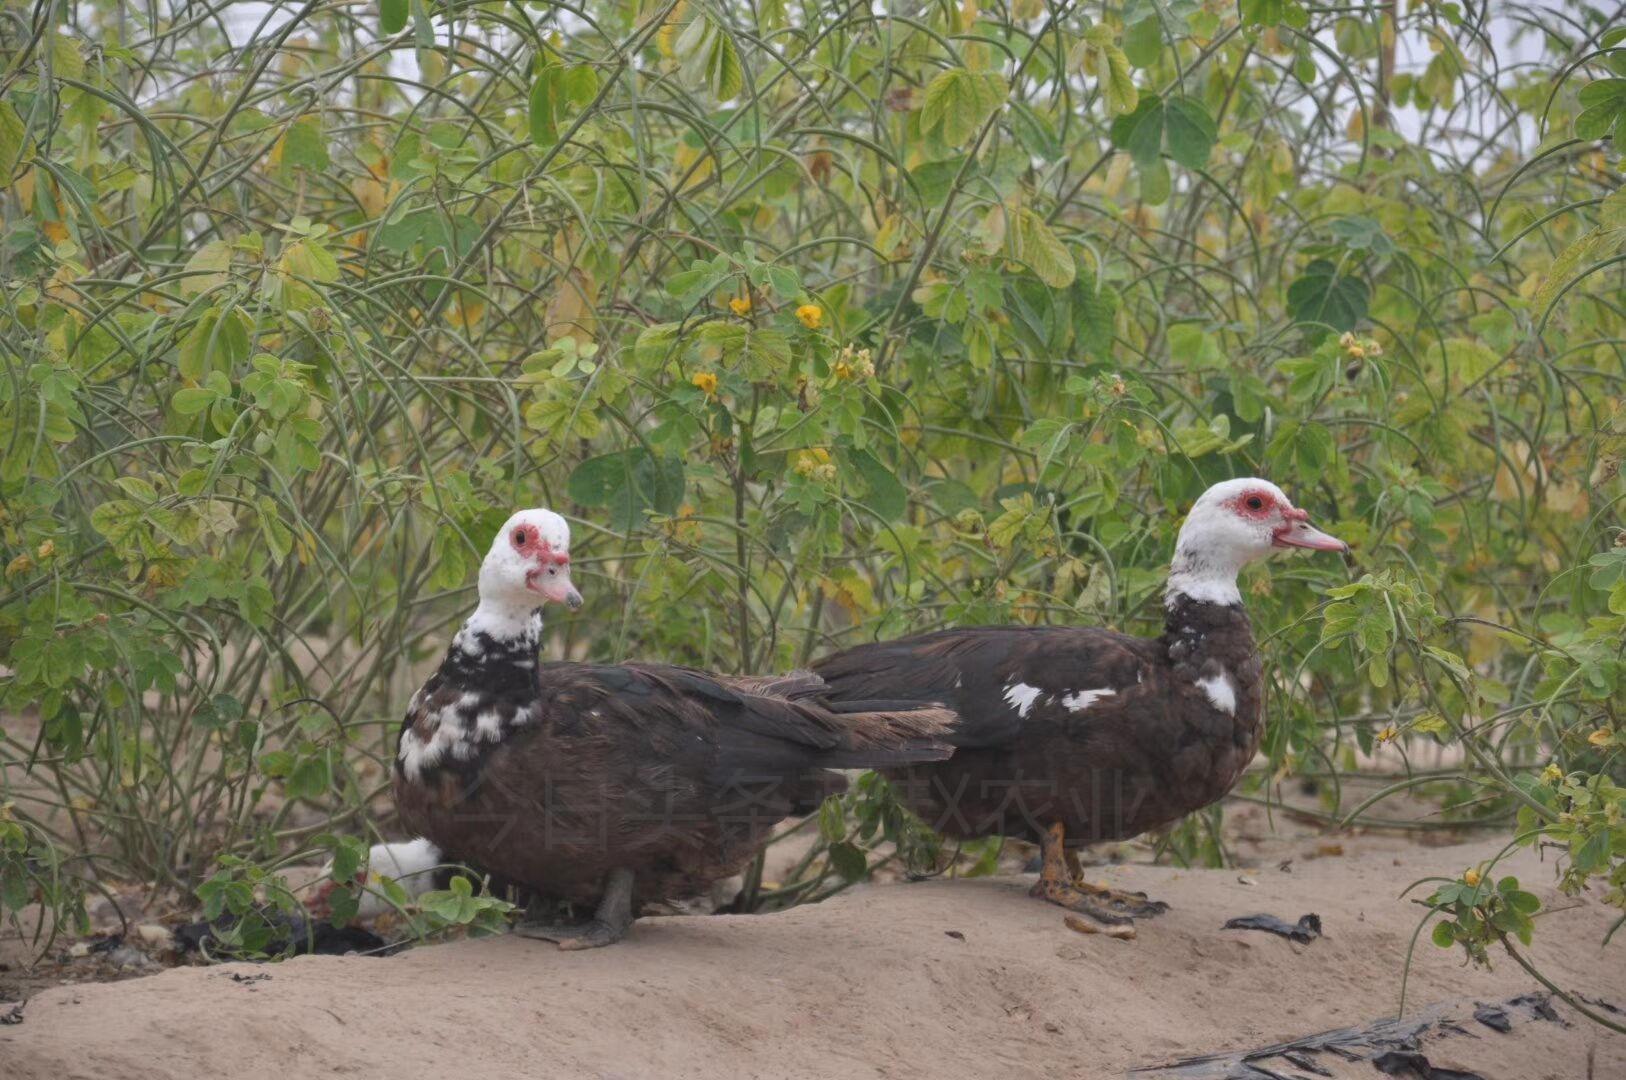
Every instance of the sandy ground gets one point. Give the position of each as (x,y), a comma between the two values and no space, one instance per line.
(939,979)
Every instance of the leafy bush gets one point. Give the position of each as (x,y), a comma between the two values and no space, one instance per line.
(823,325)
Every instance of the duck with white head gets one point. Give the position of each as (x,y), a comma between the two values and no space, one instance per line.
(1075,735)
(609,784)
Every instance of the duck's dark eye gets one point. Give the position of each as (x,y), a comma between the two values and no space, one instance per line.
(519,536)
(1255,503)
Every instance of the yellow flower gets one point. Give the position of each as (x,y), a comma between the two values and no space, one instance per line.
(1601,737)
(1471,876)
(1552,773)
(740,305)
(815,464)
(46,550)
(20,565)
(1388,734)
(706,381)
(854,363)
(811,315)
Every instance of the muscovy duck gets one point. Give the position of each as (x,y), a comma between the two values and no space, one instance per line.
(1073,735)
(607,783)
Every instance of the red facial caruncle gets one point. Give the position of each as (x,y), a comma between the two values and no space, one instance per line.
(551,577)
(1294,528)
(1258,503)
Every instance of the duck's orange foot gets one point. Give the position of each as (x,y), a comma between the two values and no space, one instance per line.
(1110,906)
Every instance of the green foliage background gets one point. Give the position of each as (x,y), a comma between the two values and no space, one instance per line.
(822,325)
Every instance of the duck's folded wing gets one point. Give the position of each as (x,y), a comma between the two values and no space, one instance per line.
(998,679)
(768,727)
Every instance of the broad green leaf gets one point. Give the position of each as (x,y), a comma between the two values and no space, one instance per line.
(1143,42)
(217,342)
(1095,313)
(1273,12)
(628,482)
(849,861)
(887,496)
(1141,131)
(191,400)
(392,15)
(1155,183)
(1190,131)
(1323,294)
(304,145)
(546,104)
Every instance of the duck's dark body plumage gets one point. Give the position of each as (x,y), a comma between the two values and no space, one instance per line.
(1108,734)
(552,775)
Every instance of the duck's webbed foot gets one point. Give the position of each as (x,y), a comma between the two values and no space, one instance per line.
(608,925)
(1061,881)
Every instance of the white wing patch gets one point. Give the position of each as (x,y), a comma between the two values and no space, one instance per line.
(1021,697)
(1079,700)
(1220,691)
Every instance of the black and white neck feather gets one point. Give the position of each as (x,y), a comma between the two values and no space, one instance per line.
(486,687)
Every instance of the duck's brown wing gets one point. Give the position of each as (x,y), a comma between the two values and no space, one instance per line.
(997,679)
(770,725)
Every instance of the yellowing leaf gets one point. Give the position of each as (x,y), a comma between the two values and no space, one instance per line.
(1099,54)
(959,102)
(1033,243)
(14,141)
(207,268)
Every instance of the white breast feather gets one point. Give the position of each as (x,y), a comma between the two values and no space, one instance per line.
(1220,691)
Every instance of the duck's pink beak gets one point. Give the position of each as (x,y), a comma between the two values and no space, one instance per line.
(1299,533)
(552,580)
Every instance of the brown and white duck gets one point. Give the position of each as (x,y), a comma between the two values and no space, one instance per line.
(1073,735)
(609,784)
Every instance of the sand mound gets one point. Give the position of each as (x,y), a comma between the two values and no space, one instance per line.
(939,979)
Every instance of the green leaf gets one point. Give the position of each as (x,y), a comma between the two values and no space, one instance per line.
(1155,184)
(1143,42)
(392,16)
(1443,935)
(832,825)
(1095,314)
(628,483)
(1324,295)
(887,496)
(1182,122)
(1034,129)
(959,102)
(1273,12)
(1190,131)
(546,104)
(304,145)
(1141,132)
(217,342)
(849,861)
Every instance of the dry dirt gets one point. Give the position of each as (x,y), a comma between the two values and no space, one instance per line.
(940,979)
